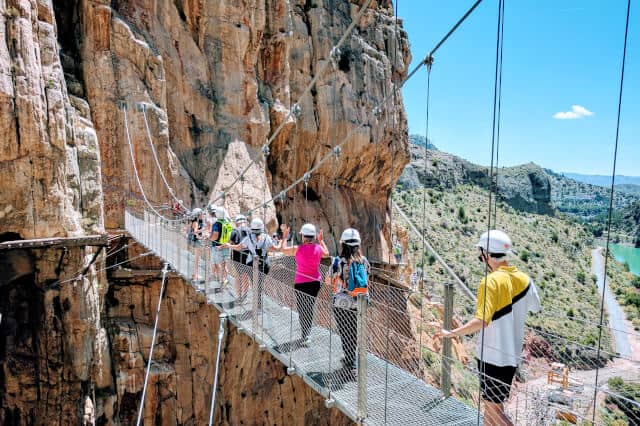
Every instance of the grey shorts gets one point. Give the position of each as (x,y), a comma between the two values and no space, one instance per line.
(219,256)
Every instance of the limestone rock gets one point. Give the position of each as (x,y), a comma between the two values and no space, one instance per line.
(253,385)
(219,74)
(216,79)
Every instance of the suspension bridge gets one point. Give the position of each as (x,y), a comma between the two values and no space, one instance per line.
(399,378)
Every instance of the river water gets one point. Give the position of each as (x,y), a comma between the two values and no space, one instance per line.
(627,254)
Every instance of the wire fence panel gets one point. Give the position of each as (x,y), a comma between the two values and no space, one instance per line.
(379,362)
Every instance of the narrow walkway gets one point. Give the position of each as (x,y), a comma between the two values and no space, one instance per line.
(394,395)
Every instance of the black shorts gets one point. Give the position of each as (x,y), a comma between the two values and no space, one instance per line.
(495,381)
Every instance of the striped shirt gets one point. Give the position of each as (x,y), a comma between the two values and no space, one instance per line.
(504,303)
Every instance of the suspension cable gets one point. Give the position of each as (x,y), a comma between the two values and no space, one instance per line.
(496,125)
(306,90)
(613,181)
(153,342)
(389,205)
(491,170)
(143,106)
(135,168)
(429,58)
(424,200)
(376,110)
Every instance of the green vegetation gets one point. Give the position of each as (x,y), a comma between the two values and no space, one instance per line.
(555,251)
(584,201)
(623,408)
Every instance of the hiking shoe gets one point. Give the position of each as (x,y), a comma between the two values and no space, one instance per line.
(349,365)
(305,342)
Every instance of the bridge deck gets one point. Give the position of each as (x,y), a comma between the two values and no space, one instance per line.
(394,396)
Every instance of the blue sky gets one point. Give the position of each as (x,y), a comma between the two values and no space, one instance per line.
(556,54)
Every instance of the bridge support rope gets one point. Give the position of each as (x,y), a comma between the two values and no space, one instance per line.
(153,342)
(221,333)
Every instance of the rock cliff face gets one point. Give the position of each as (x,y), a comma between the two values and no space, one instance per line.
(254,387)
(219,77)
(200,85)
(50,344)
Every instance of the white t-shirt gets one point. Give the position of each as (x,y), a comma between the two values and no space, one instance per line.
(251,243)
(504,303)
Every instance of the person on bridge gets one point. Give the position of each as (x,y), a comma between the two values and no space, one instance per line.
(258,243)
(220,235)
(307,279)
(194,237)
(239,257)
(505,296)
(350,277)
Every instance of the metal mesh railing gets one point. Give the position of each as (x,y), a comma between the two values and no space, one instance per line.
(379,363)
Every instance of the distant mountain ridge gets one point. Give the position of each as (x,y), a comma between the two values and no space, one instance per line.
(527,187)
(602,180)
(419,140)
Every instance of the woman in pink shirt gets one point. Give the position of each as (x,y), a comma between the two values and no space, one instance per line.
(308,278)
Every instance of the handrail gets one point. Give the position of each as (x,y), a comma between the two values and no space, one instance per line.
(461,285)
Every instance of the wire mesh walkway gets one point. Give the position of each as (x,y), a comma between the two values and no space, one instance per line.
(266,308)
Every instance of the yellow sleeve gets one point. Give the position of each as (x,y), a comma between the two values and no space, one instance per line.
(487,301)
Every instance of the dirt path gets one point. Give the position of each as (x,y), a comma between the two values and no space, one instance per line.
(617,321)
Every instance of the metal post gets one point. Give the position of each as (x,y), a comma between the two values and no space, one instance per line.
(447,323)
(145,221)
(362,358)
(255,300)
(153,342)
(206,259)
(221,330)
(330,401)
(292,293)
(162,241)
(181,251)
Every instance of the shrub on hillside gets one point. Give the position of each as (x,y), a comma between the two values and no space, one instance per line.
(632,298)
(626,398)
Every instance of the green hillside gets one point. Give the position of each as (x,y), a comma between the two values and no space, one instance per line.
(555,251)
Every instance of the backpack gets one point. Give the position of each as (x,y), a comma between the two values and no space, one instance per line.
(259,253)
(225,232)
(241,234)
(357,278)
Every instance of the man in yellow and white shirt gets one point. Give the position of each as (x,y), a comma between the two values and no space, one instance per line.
(504,299)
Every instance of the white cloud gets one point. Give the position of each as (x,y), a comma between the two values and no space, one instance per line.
(577,111)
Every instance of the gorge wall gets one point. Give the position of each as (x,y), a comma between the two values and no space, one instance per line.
(218,77)
(215,79)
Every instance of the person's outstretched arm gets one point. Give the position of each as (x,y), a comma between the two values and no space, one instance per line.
(325,250)
(284,248)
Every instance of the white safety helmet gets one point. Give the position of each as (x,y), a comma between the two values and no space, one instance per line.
(496,241)
(196,212)
(308,230)
(241,218)
(212,208)
(350,237)
(257,225)
(220,212)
